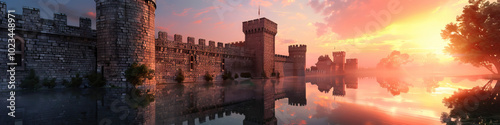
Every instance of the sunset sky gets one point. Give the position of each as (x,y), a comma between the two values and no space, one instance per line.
(366,29)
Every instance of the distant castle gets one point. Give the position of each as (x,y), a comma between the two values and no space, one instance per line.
(125,34)
(339,65)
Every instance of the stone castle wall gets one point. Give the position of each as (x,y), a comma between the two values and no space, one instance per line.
(49,46)
(196,59)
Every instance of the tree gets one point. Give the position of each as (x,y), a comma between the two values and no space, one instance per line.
(180,76)
(136,74)
(208,77)
(474,38)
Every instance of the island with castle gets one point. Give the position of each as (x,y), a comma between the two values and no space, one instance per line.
(125,34)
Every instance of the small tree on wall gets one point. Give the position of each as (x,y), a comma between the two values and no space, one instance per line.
(136,74)
(180,76)
(208,77)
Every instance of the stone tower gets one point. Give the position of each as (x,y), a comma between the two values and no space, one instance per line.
(125,34)
(260,37)
(297,53)
(338,61)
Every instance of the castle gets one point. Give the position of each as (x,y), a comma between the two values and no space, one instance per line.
(339,66)
(125,34)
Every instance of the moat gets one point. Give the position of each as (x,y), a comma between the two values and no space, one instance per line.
(291,100)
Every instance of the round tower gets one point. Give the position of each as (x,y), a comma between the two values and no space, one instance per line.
(125,34)
(297,54)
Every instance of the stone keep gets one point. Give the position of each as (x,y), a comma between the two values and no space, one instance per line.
(260,36)
(125,34)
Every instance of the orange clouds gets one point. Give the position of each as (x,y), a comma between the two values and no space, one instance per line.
(355,18)
(183,13)
(261,3)
(91,14)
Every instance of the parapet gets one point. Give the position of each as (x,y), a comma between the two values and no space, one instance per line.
(338,53)
(352,61)
(260,25)
(30,20)
(297,48)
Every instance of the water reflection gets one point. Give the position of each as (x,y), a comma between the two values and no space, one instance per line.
(338,83)
(479,105)
(291,100)
(395,85)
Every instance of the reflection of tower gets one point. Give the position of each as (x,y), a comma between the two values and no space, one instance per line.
(339,86)
(260,37)
(261,112)
(296,92)
(338,61)
(351,82)
(125,34)
(298,54)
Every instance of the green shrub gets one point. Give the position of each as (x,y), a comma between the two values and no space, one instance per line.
(246,75)
(227,75)
(75,82)
(208,77)
(49,83)
(180,76)
(136,74)
(65,83)
(31,81)
(96,80)
(273,74)
(236,75)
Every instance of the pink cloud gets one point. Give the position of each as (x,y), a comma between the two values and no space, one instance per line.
(286,2)
(357,17)
(206,10)
(200,21)
(183,13)
(263,3)
(163,28)
(91,14)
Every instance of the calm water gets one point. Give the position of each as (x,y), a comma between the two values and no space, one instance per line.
(292,100)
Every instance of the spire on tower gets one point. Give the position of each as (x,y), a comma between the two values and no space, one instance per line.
(259,10)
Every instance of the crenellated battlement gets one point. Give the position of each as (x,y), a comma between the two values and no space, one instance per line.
(259,26)
(29,20)
(297,48)
(216,48)
(338,53)
(352,61)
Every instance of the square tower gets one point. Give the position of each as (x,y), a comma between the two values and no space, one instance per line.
(260,37)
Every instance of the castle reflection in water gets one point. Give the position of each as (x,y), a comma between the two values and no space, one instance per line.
(191,103)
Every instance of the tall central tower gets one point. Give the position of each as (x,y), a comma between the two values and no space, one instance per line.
(125,34)
(260,37)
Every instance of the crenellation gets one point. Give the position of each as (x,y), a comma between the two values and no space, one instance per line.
(201,42)
(177,38)
(220,45)
(163,36)
(211,43)
(190,40)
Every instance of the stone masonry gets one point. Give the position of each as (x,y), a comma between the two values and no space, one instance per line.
(125,34)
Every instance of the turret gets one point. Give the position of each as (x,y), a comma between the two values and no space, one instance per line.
(339,62)
(298,54)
